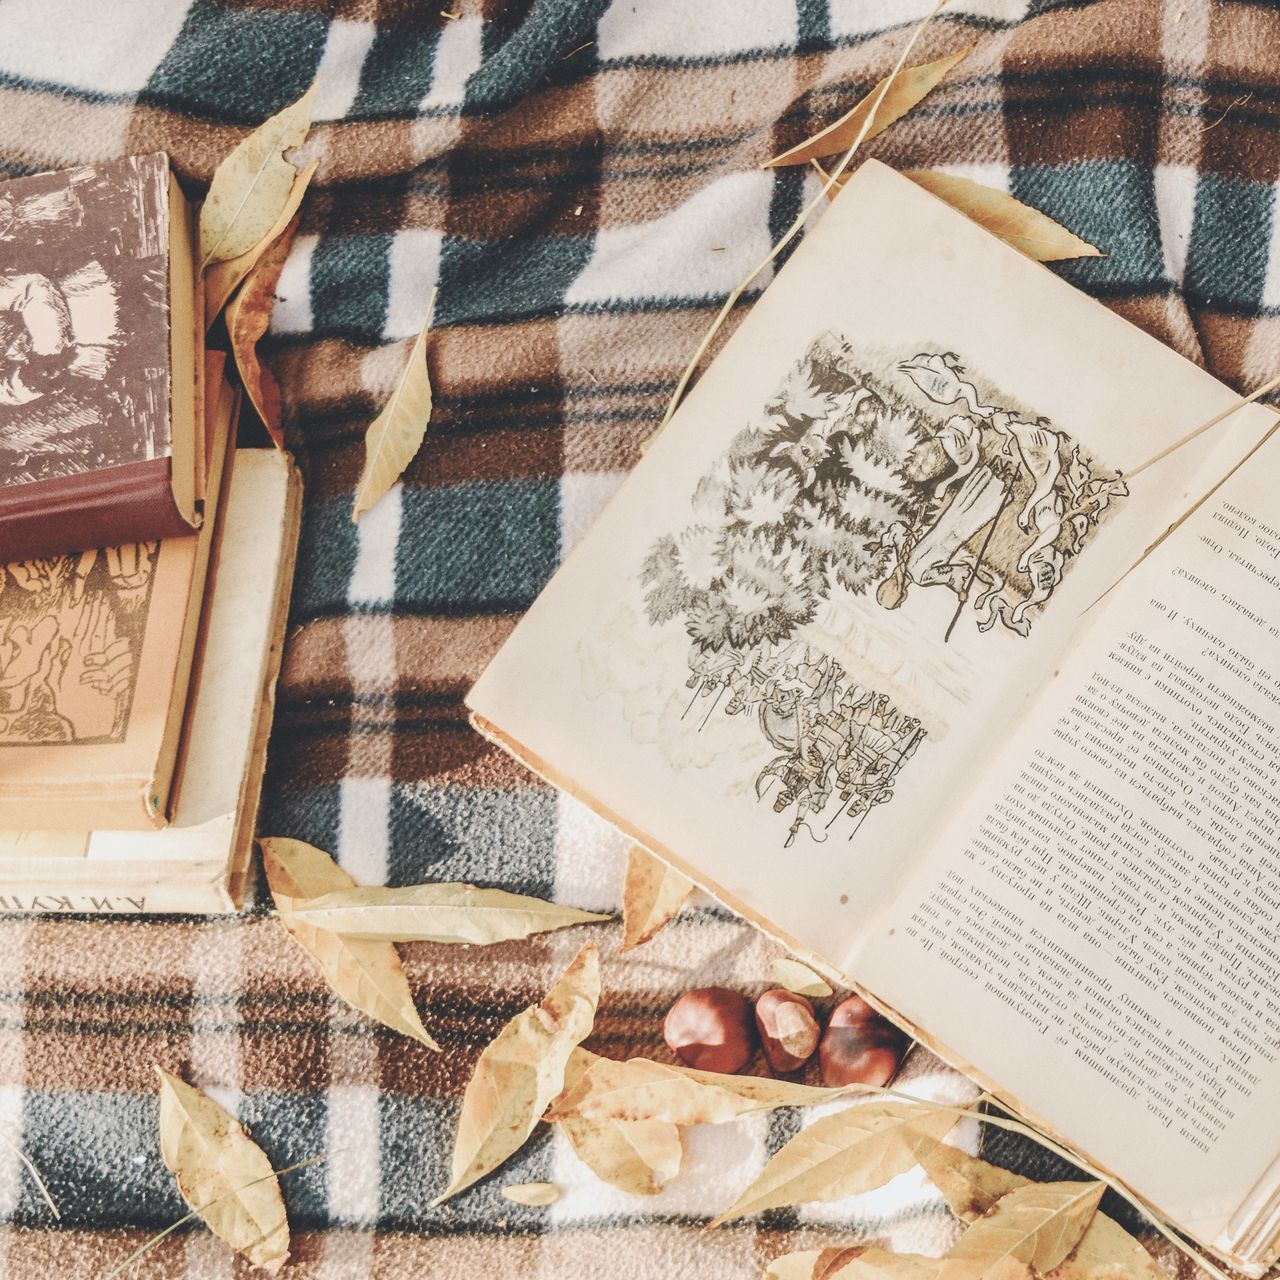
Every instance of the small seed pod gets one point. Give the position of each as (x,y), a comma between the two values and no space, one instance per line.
(860,1047)
(710,1028)
(788,1030)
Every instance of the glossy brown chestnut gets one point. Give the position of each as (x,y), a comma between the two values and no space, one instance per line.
(788,1030)
(859,1047)
(710,1028)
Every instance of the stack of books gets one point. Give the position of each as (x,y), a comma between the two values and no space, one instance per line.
(147,559)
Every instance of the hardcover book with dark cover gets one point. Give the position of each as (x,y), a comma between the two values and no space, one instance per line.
(101,440)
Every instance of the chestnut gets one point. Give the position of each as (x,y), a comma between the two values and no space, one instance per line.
(860,1046)
(788,1030)
(710,1029)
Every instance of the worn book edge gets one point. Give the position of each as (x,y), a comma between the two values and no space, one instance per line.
(187,427)
(1254,1265)
(249,797)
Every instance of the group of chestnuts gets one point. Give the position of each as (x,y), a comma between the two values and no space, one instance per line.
(716,1029)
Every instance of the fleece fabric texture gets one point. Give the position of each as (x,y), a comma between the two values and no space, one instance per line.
(581,179)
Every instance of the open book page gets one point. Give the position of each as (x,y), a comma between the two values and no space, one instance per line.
(1098,930)
(849,560)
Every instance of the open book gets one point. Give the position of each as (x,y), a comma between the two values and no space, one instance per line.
(831,651)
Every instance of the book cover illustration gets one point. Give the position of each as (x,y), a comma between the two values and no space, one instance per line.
(868,478)
(84,320)
(71,634)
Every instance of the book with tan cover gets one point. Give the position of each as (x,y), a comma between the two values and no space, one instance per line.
(200,861)
(835,650)
(96,650)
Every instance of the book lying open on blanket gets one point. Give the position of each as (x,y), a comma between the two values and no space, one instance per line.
(831,651)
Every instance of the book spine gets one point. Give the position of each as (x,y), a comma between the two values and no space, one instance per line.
(130,503)
(79,887)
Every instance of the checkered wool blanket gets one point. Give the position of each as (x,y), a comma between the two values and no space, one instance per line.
(581,179)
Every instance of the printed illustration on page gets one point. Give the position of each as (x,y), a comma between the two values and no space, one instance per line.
(84,314)
(869,477)
(71,633)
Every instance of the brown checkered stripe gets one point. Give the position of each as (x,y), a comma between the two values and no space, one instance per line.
(584,210)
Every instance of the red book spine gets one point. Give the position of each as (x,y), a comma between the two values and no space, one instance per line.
(129,503)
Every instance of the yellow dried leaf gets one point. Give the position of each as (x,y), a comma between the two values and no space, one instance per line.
(653,893)
(878,1264)
(793,976)
(455,913)
(844,1154)
(970,1186)
(636,1156)
(394,437)
(832,1259)
(1019,225)
(252,185)
(247,319)
(521,1071)
(532,1193)
(1108,1252)
(910,85)
(793,1266)
(221,278)
(643,1090)
(367,975)
(222,1173)
(1036,1226)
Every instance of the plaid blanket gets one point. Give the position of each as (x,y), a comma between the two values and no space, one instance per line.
(581,179)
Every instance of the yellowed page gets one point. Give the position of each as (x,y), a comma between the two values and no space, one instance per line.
(748,658)
(1098,929)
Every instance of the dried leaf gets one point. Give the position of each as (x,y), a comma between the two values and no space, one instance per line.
(793,976)
(793,1266)
(832,1259)
(521,1071)
(851,1151)
(1035,1226)
(456,913)
(636,1156)
(252,185)
(652,895)
(643,1090)
(247,319)
(394,437)
(910,85)
(532,1193)
(221,278)
(1026,229)
(1108,1252)
(972,1187)
(367,975)
(222,1173)
(878,1264)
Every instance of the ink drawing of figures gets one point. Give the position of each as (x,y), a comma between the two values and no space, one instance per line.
(872,477)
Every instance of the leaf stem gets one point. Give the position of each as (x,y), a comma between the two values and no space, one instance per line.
(32,1170)
(731,301)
